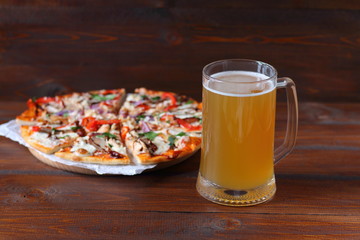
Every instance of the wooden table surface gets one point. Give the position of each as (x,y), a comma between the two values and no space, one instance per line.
(318,195)
(53,47)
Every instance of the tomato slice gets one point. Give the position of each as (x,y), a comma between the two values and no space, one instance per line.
(35,128)
(111,121)
(166,117)
(44,100)
(89,123)
(106,92)
(31,104)
(171,96)
(143,106)
(106,104)
(170,107)
(124,131)
(187,125)
(93,124)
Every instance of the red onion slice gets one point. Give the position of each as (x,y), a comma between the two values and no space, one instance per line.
(145,127)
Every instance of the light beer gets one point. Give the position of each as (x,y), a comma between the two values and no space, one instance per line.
(238,130)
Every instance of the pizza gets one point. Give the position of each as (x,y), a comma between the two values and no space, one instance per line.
(71,107)
(111,127)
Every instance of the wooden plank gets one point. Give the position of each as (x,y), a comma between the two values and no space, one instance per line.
(281,4)
(173,191)
(317,192)
(68,224)
(38,45)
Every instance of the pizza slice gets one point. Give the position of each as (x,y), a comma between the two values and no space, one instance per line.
(162,108)
(145,101)
(37,112)
(71,107)
(149,146)
(102,145)
(101,104)
(51,138)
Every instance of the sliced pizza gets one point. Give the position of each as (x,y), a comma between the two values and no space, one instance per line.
(166,109)
(51,138)
(72,107)
(149,127)
(103,146)
(161,145)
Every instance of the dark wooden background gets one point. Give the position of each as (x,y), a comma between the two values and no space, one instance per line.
(50,46)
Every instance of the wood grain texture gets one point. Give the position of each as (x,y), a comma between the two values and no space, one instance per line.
(185,225)
(52,47)
(296,194)
(318,192)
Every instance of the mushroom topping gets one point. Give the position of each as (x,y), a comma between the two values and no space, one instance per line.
(150,145)
(82,151)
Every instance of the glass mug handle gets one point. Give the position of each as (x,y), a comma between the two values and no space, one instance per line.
(292,119)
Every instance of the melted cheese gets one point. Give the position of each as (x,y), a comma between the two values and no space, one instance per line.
(43,139)
(117,146)
(133,97)
(180,142)
(187,113)
(53,109)
(185,106)
(67,127)
(161,145)
(69,134)
(175,131)
(81,144)
(139,147)
(194,134)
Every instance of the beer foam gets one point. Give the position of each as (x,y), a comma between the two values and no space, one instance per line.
(239,83)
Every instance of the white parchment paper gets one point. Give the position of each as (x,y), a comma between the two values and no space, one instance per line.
(12,130)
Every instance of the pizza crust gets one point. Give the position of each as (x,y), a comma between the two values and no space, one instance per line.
(61,166)
(105,159)
(26,132)
(84,170)
(146,158)
(26,118)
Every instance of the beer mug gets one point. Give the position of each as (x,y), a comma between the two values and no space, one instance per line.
(237,152)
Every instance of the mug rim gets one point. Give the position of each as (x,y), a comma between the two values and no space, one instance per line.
(208,77)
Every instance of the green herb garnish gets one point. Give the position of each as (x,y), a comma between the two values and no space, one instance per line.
(98,97)
(141,117)
(189,102)
(143,97)
(149,135)
(106,134)
(66,114)
(171,140)
(75,128)
(155,99)
(64,137)
(181,134)
(110,145)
